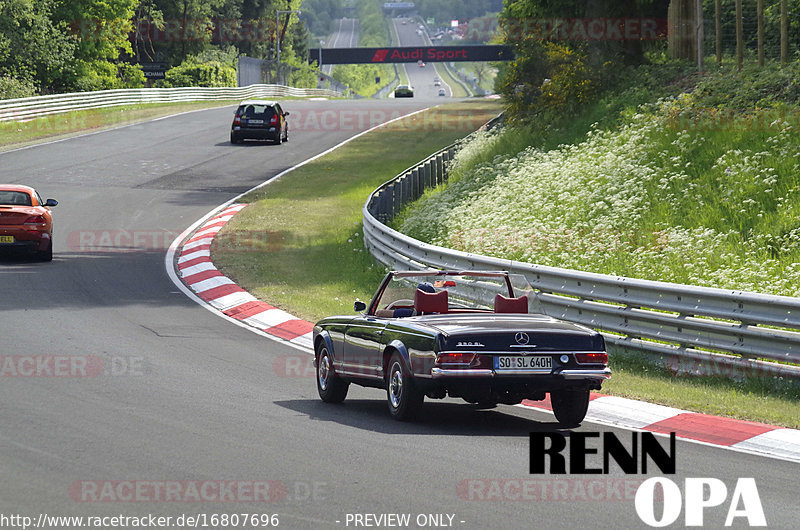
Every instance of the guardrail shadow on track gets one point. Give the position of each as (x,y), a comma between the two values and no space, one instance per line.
(695,330)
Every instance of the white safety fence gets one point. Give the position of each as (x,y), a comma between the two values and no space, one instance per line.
(23,109)
(692,329)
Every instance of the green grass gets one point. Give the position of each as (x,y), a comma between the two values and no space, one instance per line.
(676,191)
(447,77)
(767,401)
(19,134)
(313,263)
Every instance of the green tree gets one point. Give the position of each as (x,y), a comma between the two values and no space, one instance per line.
(35,50)
(100,29)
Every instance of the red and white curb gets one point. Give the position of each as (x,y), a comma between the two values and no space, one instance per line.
(739,435)
(201,276)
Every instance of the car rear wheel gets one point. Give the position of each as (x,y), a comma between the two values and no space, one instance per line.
(235,139)
(403,397)
(330,387)
(570,406)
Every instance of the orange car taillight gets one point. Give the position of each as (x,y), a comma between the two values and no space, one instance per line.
(592,358)
(35,220)
(455,358)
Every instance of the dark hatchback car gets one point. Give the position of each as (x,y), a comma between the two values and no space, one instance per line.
(424,334)
(259,120)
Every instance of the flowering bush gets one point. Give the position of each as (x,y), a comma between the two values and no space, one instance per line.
(651,199)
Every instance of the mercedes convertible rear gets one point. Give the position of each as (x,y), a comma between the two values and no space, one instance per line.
(462,334)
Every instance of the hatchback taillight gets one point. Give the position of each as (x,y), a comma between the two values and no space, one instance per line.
(273,120)
(592,358)
(455,358)
(237,120)
(35,220)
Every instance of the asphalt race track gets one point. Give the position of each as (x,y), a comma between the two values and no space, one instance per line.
(346,36)
(184,397)
(420,78)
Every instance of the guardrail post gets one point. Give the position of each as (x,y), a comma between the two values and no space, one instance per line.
(439,170)
(391,190)
(426,171)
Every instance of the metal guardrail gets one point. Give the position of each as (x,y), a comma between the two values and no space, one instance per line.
(28,108)
(696,330)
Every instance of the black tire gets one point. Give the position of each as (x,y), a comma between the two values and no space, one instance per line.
(235,139)
(46,254)
(570,406)
(402,395)
(330,387)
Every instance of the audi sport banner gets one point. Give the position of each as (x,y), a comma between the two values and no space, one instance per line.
(410,54)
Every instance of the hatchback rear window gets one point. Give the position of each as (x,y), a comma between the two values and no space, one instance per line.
(256,111)
(14,198)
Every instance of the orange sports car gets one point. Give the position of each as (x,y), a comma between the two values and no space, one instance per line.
(25,221)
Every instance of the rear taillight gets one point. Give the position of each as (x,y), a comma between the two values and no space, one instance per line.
(35,220)
(237,120)
(273,120)
(592,358)
(455,358)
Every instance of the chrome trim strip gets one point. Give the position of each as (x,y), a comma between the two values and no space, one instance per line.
(566,374)
(539,371)
(536,352)
(473,372)
(583,374)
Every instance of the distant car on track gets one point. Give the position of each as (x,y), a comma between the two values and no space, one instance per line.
(422,334)
(259,119)
(403,91)
(26,223)
(442,92)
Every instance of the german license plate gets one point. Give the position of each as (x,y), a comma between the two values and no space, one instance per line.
(6,239)
(255,122)
(527,362)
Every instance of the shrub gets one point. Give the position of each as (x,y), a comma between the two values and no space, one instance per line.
(191,73)
(11,88)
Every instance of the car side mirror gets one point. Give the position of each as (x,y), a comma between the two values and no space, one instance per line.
(359,306)
(51,202)
(285,113)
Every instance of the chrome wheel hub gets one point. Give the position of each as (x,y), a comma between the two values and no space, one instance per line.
(396,386)
(324,372)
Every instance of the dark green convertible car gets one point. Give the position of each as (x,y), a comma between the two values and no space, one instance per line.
(462,334)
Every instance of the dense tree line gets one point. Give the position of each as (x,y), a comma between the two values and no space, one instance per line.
(560,71)
(64,45)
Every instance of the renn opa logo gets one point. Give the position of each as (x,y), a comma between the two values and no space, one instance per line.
(698,494)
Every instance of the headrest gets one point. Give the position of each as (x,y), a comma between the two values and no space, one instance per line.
(510,305)
(430,302)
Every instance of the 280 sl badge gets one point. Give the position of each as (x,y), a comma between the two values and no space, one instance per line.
(470,345)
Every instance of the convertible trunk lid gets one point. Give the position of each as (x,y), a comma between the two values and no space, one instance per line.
(507,332)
